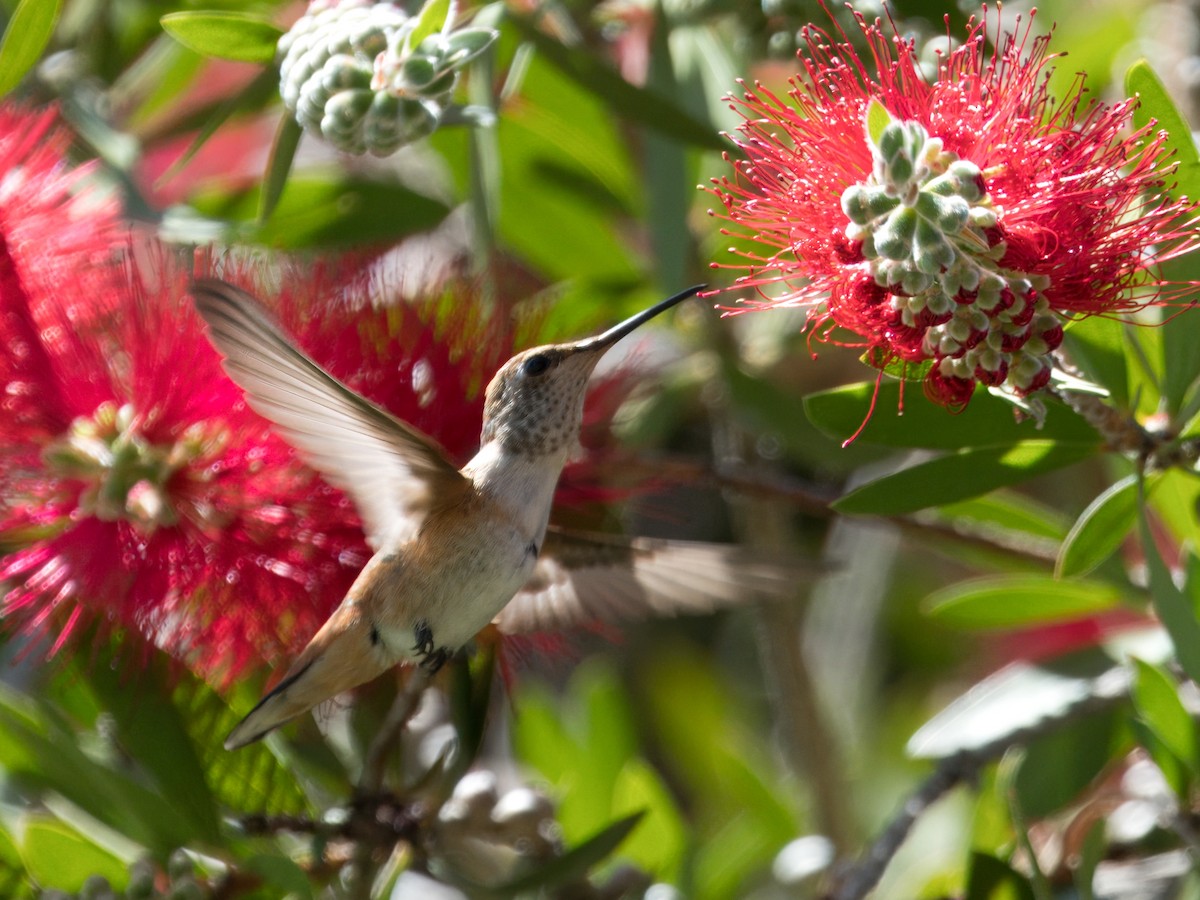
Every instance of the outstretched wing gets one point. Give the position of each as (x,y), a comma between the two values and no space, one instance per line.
(390,469)
(581,578)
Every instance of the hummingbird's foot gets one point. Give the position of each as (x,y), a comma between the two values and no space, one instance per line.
(432,658)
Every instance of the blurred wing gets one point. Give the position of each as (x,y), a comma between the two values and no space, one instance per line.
(581,578)
(391,470)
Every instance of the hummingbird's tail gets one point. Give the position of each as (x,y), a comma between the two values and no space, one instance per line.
(341,656)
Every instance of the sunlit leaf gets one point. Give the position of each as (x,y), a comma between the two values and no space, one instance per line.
(29,31)
(657,844)
(1099,530)
(958,476)
(1008,511)
(1012,601)
(430,19)
(1181,351)
(878,118)
(239,36)
(57,856)
(1156,699)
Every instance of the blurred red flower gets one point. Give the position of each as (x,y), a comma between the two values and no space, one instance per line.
(951,223)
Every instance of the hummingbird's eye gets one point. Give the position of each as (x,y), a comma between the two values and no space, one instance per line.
(536,365)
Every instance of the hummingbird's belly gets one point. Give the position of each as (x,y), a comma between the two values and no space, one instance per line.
(472,578)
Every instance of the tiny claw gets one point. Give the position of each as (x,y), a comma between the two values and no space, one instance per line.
(432,658)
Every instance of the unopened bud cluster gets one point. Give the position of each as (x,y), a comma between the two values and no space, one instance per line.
(929,238)
(348,72)
(517,824)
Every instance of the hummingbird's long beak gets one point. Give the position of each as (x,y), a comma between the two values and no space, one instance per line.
(614,334)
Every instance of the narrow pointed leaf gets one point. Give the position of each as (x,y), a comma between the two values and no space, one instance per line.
(29,31)
(243,37)
(577,861)
(1172,606)
(1015,601)
(958,476)
(1181,351)
(283,152)
(1099,530)
(1156,699)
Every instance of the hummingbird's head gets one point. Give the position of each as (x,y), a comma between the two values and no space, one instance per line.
(534,404)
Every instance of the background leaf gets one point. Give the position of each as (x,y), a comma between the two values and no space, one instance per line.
(1012,601)
(29,31)
(239,36)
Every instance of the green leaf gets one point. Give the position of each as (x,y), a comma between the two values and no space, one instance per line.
(989,878)
(239,36)
(151,730)
(29,31)
(878,118)
(57,856)
(1015,601)
(958,476)
(1057,767)
(1099,530)
(283,152)
(329,213)
(1172,606)
(577,861)
(252,778)
(1008,511)
(281,873)
(660,840)
(987,420)
(431,19)
(1156,698)
(1181,351)
(1092,852)
(626,100)
(42,751)
(1097,346)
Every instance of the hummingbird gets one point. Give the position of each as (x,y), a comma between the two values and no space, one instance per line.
(454,549)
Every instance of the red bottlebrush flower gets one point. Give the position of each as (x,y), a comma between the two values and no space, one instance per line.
(982,210)
(148,498)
